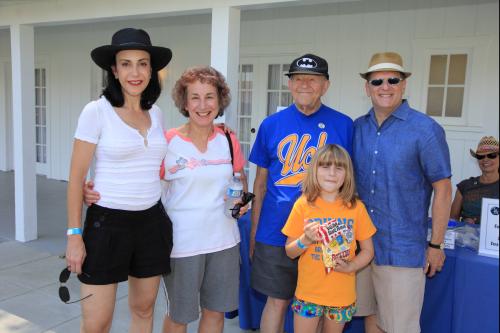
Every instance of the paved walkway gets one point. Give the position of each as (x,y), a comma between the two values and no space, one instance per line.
(29,272)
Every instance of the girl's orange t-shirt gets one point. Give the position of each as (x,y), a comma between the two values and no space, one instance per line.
(314,284)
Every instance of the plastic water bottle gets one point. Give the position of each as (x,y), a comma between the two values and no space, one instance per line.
(233,193)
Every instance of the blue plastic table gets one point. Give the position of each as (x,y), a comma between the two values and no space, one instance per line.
(463,297)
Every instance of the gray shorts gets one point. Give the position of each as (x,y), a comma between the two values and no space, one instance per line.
(274,274)
(209,281)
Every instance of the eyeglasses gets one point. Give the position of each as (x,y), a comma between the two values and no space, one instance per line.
(64,291)
(392,81)
(490,156)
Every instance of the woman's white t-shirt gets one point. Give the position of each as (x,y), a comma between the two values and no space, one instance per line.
(127,164)
(194,195)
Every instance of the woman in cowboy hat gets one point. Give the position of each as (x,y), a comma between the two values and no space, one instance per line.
(467,203)
(127,234)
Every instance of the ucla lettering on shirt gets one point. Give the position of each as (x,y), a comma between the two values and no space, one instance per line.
(296,156)
(284,146)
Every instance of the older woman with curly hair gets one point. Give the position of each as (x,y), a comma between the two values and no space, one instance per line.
(198,167)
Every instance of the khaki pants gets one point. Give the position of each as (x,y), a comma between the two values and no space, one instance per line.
(365,294)
(398,296)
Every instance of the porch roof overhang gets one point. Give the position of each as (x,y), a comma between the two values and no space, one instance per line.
(60,12)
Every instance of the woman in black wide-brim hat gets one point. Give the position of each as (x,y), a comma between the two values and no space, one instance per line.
(127,234)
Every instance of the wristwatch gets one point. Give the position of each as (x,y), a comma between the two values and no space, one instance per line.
(437,246)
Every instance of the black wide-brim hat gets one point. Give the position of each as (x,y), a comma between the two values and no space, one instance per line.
(131,39)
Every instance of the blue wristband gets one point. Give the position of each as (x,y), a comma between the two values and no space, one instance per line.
(74,231)
(300,244)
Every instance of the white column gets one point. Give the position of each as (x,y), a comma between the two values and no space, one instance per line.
(225,53)
(23,110)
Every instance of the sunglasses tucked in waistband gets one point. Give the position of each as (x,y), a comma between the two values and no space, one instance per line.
(392,81)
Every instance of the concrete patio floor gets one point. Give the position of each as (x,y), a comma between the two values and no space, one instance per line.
(29,272)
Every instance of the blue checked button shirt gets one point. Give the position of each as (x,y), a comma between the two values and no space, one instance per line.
(395,165)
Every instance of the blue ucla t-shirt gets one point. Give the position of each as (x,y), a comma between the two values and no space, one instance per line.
(285,144)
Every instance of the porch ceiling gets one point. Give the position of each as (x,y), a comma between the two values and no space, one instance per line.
(55,12)
(4,3)
(61,12)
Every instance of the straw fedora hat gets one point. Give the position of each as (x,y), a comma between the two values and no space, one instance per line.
(385,62)
(130,39)
(487,144)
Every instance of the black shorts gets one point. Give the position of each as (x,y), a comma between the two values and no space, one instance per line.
(120,243)
(273,273)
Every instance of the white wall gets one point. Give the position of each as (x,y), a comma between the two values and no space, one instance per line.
(6,158)
(345,34)
(4,123)
(348,34)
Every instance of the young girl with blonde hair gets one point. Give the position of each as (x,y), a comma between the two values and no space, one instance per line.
(323,227)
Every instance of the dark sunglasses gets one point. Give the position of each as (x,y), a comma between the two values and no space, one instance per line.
(392,81)
(63,290)
(490,156)
(245,199)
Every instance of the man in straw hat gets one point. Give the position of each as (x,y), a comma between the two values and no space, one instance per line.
(282,151)
(469,194)
(401,158)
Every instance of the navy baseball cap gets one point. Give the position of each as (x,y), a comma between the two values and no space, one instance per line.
(309,64)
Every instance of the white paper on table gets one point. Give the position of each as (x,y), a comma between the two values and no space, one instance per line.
(488,237)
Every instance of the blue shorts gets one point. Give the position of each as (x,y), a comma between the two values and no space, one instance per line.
(341,314)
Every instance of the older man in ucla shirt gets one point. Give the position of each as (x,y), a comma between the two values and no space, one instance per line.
(285,144)
(401,158)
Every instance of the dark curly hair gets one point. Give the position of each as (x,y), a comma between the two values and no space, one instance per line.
(204,74)
(113,91)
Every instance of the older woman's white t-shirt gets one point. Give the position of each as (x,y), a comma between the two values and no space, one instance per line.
(126,165)
(194,193)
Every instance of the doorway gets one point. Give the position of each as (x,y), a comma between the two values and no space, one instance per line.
(263,90)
